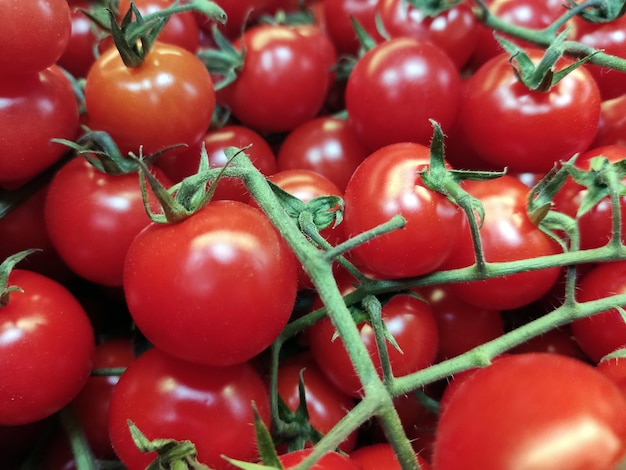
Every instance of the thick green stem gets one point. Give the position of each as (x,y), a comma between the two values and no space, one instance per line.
(83,456)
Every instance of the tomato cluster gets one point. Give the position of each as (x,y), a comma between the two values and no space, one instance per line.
(354,234)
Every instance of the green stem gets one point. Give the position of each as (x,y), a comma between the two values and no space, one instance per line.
(83,457)
(482,355)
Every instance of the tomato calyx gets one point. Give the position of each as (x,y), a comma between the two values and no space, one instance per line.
(445,181)
(187,197)
(171,453)
(224,61)
(134,37)
(598,12)
(543,76)
(5,270)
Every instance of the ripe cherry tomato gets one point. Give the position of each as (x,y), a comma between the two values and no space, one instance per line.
(91,405)
(283,80)
(409,320)
(93,237)
(23,51)
(612,125)
(169,398)
(550,422)
(129,103)
(507,234)
(511,126)
(339,25)
(385,184)
(326,145)
(78,56)
(604,332)
(47,348)
(216,288)
(453,30)
(396,87)
(35,108)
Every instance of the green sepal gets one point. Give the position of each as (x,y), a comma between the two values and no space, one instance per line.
(5,270)
(264,440)
(598,181)
(543,76)
(224,61)
(617,354)
(373,307)
(366,41)
(432,8)
(172,454)
(608,10)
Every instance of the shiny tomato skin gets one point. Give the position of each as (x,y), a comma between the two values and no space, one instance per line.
(409,320)
(129,103)
(326,404)
(35,109)
(461,326)
(534,410)
(47,345)
(236,274)
(180,165)
(507,234)
(386,183)
(609,38)
(78,56)
(338,13)
(596,225)
(91,405)
(498,112)
(93,237)
(381,457)
(612,125)
(453,30)
(23,51)
(329,461)
(603,332)
(327,145)
(284,78)
(425,85)
(169,398)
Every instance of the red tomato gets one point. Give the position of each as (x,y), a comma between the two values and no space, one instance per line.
(409,320)
(381,457)
(604,332)
(325,403)
(555,341)
(507,234)
(339,25)
(609,38)
(385,184)
(615,369)
(35,108)
(453,30)
(33,35)
(461,326)
(93,236)
(91,405)
(181,29)
(283,80)
(498,113)
(47,347)
(129,103)
(216,288)
(565,416)
(185,163)
(326,145)
(24,228)
(612,125)
(78,56)
(533,14)
(169,398)
(596,225)
(396,87)
(330,461)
